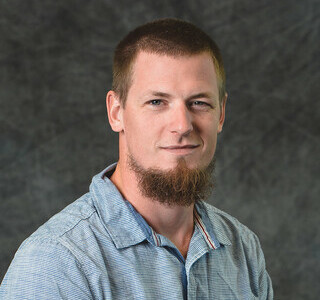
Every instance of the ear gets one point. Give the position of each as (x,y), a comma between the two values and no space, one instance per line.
(115,110)
(222,112)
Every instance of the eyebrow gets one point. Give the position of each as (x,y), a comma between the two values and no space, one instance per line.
(195,96)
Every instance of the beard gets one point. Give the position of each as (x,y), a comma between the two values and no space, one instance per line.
(180,186)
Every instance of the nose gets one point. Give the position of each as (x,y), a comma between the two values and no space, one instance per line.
(181,120)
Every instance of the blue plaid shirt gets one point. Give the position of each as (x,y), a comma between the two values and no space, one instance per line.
(99,247)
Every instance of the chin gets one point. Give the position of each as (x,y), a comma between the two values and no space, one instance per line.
(182,161)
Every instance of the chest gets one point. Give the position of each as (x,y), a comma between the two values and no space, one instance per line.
(148,272)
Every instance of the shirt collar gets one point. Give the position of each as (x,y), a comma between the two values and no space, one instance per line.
(115,212)
(127,227)
(211,225)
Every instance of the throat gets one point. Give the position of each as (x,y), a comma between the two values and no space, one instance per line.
(183,246)
(179,233)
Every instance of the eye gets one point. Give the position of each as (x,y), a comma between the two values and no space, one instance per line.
(200,105)
(156,102)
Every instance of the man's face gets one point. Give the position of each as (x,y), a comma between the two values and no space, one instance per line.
(172,112)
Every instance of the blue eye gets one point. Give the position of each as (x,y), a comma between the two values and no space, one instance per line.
(200,105)
(156,102)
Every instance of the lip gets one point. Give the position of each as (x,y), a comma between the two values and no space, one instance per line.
(181,149)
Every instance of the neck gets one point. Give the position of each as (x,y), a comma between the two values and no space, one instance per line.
(174,222)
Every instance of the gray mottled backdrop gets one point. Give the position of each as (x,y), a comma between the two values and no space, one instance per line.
(55,59)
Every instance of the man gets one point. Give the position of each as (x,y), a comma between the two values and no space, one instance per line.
(143,230)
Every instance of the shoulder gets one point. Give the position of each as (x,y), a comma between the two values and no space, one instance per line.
(61,231)
(44,269)
(65,238)
(68,219)
(50,261)
(241,245)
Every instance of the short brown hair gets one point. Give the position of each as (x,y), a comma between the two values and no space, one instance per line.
(164,36)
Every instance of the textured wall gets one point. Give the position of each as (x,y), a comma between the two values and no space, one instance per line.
(55,59)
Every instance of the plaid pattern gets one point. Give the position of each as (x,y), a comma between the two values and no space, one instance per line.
(100,247)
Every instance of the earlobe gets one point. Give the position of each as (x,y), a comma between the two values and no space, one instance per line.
(222,112)
(114,109)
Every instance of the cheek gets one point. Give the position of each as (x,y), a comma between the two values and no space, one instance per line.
(211,143)
(210,138)
(208,129)
(139,135)
(132,123)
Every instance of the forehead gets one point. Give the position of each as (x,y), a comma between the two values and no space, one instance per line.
(151,70)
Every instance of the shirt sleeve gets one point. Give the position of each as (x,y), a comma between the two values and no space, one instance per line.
(45,270)
(266,290)
(265,284)
(254,260)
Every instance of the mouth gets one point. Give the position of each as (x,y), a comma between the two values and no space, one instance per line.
(181,149)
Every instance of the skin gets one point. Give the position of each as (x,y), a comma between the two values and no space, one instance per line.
(172,111)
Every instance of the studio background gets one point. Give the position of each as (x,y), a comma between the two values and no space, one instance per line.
(55,69)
